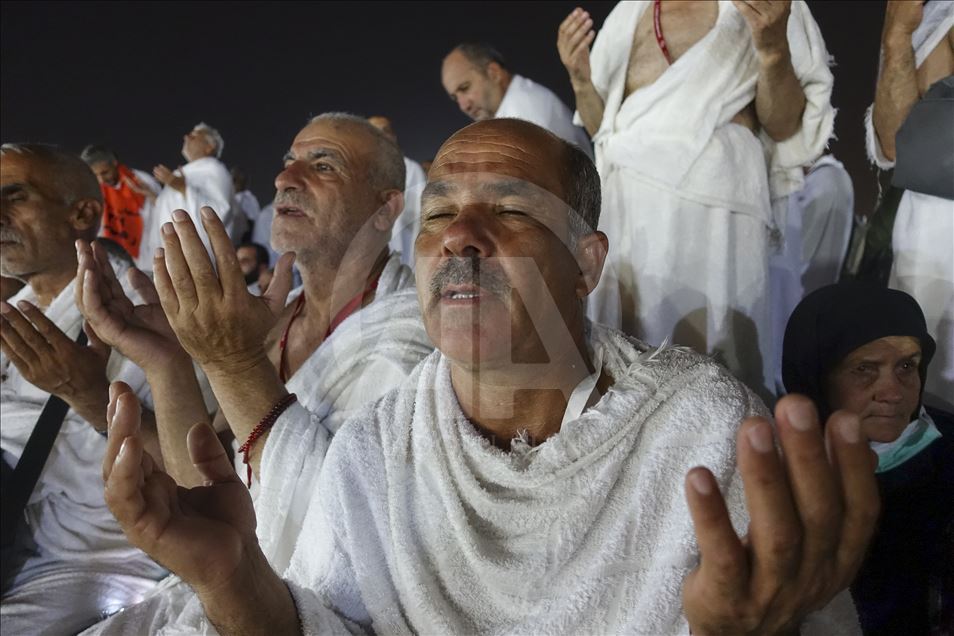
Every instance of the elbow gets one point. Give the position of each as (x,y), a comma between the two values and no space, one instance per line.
(778,134)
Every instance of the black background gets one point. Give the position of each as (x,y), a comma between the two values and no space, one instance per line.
(138,75)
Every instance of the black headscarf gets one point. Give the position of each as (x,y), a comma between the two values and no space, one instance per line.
(833,321)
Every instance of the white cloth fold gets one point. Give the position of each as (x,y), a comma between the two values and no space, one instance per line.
(79,545)
(527,100)
(420,525)
(207,182)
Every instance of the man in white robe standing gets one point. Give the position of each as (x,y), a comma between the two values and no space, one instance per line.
(75,565)
(528,476)
(477,79)
(702,115)
(405,228)
(203,180)
(917,50)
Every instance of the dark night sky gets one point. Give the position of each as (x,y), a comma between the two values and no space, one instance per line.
(137,75)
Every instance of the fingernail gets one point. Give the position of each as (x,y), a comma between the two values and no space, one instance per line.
(4,308)
(23,305)
(760,437)
(849,430)
(206,212)
(168,229)
(160,253)
(801,414)
(179,216)
(700,483)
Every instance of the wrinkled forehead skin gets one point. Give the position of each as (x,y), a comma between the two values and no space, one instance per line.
(506,147)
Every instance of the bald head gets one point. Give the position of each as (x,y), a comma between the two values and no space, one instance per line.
(520,149)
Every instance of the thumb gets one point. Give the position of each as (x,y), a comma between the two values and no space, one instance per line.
(208,455)
(95,342)
(281,283)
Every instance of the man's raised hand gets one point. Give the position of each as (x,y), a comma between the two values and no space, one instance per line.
(140,332)
(202,534)
(219,323)
(812,513)
(574,38)
(768,23)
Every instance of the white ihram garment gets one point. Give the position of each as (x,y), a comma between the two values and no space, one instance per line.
(82,567)
(407,225)
(369,353)
(207,182)
(687,194)
(923,236)
(527,100)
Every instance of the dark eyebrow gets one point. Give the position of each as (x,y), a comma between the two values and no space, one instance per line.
(437,189)
(495,189)
(12,188)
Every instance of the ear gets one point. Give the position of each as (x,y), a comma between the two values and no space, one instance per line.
(590,255)
(389,211)
(85,215)
(495,72)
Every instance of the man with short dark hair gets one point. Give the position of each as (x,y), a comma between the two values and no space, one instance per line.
(128,196)
(253,259)
(76,565)
(479,81)
(527,477)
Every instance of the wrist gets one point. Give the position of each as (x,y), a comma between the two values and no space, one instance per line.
(773,56)
(581,84)
(896,40)
(91,405)
(247,363)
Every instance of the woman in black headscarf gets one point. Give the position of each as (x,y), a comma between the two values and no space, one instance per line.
(866,349)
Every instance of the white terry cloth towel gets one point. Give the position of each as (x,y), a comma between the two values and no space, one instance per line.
(208,182)
(529,101)
(82,567)
(420,525)
(923,233)
(687,194)
(370,353)
(407,225)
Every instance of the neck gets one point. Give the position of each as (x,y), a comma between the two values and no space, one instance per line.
(327,290)
(47,285)
(532,398)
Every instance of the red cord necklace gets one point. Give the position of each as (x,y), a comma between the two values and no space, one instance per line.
(353,305)
(657,27)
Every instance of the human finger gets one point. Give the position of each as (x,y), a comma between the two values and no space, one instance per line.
(570,19)
(723,563)
(112,289)
(117,429)
(208,455)
(12,345)
(164,286)
(277,293)
(576,25)
(84,262)
(774,529)
(203,275)
(23,336)
(814,487)
(855,465)
(226,261)
(178,268)
(143,285)
(45,327)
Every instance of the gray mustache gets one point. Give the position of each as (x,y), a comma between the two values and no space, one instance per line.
(8,235)
(292,198)
(468,271)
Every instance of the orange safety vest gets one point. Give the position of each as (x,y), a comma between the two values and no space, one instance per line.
(121,220)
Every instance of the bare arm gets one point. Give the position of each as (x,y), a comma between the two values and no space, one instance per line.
(897,89)
(779,98)
(573,42)
(179,406)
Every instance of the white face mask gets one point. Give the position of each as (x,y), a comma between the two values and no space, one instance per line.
(918,435)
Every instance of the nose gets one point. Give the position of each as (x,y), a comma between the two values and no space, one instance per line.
(888,389)
(469,236)
(466,104)
(290,177)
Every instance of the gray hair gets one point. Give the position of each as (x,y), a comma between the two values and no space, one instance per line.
(213,136)
(583,194)
(72,178)
(98,154)
(481,54)
(387,172)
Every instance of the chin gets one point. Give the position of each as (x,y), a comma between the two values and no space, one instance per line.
(884,429)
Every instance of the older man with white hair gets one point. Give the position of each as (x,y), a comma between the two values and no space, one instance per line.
(204,180)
